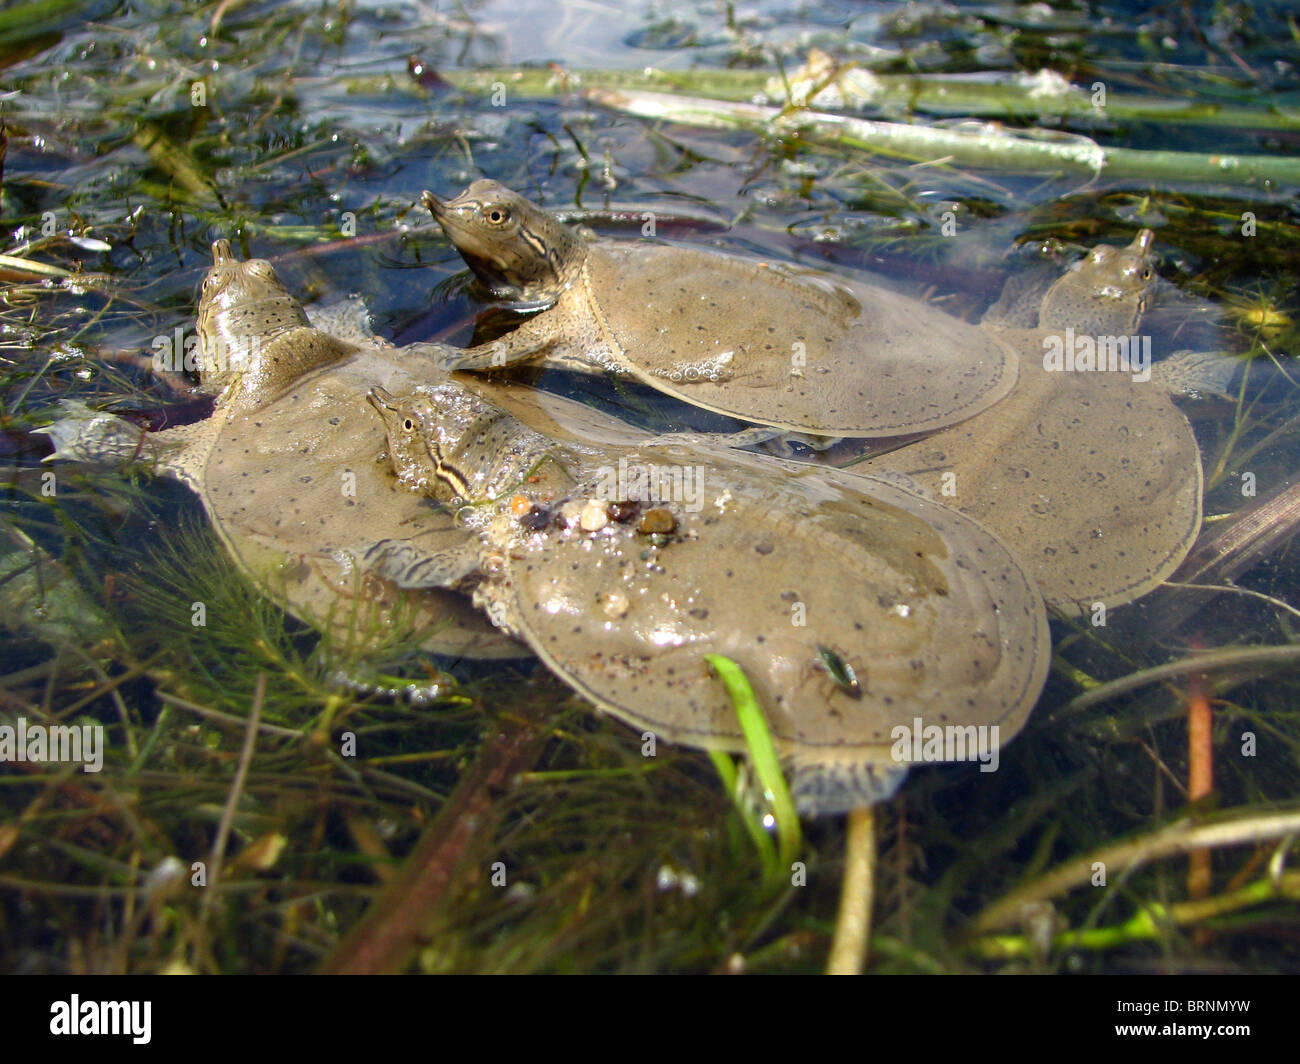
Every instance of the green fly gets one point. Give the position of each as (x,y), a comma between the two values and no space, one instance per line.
(840,671)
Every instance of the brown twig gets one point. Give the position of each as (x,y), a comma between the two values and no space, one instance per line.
(1200,779)
(395,925)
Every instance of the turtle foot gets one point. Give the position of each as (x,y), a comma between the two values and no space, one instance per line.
(410,568)
(85,435)
(1198,373)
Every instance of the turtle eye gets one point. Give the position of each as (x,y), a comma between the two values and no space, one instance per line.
(497,215)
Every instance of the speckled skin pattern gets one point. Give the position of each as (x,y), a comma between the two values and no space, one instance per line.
(770,563)
(1093,477)
(291,468)
(797,349)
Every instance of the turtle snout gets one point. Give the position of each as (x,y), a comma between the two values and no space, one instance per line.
(382,400)
(433,205)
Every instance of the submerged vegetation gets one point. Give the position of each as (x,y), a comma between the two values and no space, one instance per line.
(498,825)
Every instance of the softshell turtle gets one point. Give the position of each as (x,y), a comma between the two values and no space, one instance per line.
(858,607)
(289,466)
(797,349)
(860,610)
(1093,475)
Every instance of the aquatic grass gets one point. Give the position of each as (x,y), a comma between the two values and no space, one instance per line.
(1229,828)
(1254,658)
(763,758)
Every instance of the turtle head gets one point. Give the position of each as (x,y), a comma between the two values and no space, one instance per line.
(242,306)
(1107,292)
(416,442)
(444,441)
(404,427)
(519,251)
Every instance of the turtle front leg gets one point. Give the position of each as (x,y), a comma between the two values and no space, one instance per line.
(409,567)
(571,334)
(532,339)
(1198,373)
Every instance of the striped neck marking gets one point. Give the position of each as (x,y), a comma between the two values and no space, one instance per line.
(446,472)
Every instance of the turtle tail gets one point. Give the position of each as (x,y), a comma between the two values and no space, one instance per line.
(827,787)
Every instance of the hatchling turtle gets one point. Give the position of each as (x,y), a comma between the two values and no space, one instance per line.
(1095,477)
(797,349)
(1092,474)
(861,611)
(288,465)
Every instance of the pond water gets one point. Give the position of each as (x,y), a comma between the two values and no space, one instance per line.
(136,133)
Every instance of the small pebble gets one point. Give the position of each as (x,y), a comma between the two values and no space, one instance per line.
(657,520)
(614,604)
(623,512)
(594,517)
(568,515)
(536,519)
(520,505)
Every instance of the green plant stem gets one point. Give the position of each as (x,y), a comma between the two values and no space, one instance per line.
(1260,658)
(987,146)
(1179,838)
(762,752)
(1009,97)
(31,266)
(726,769)
(1148,924)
